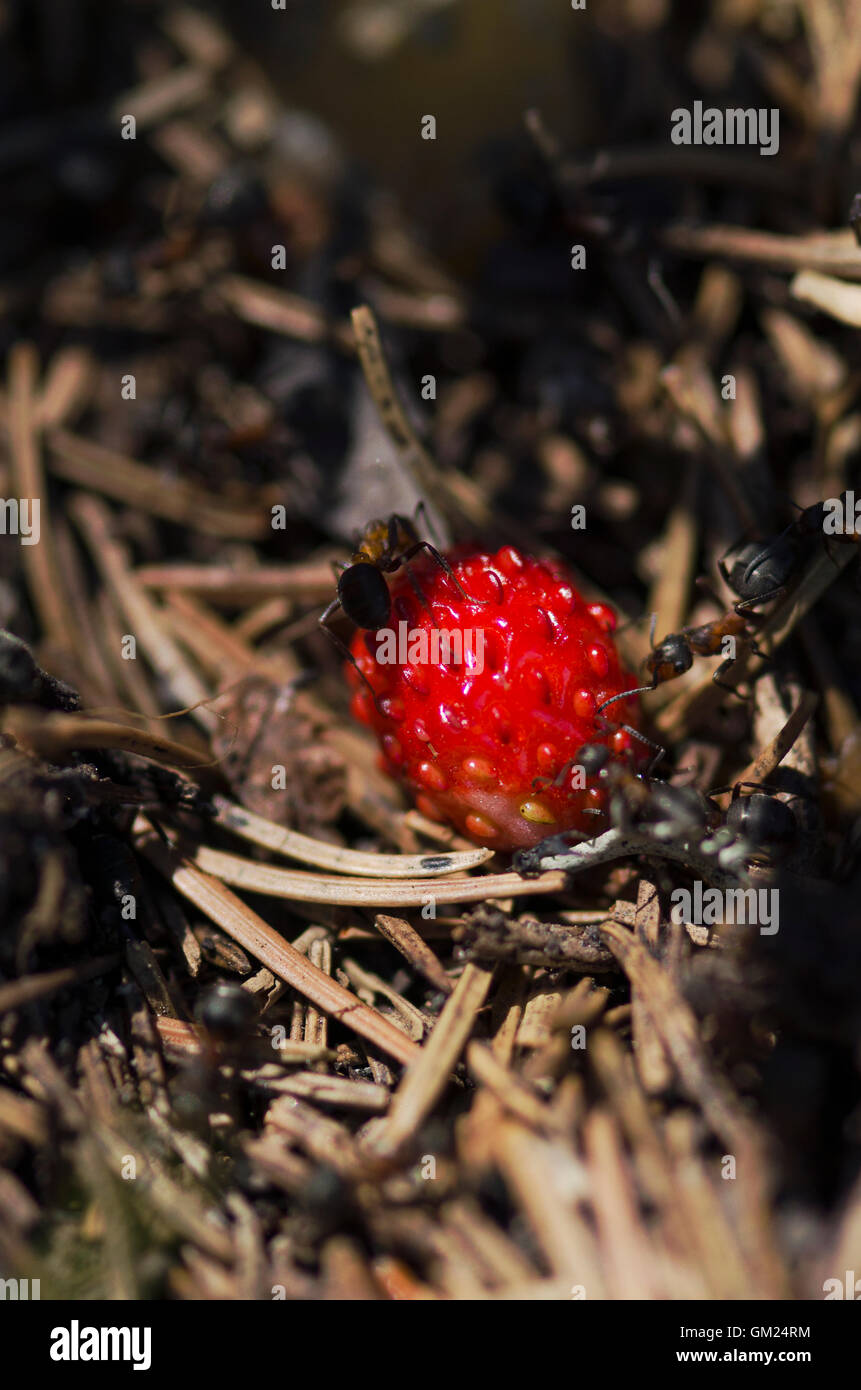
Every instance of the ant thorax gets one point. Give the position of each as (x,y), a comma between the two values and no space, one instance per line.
(383,542)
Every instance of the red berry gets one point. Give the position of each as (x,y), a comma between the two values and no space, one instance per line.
(468,741)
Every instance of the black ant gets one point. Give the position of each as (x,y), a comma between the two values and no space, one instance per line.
(363,593)
(766,823)
(756,825)
(761,570)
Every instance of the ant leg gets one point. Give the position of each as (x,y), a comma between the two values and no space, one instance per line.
(345,650)
(723,571)
(395,523)
(444,566)
(757,651)
(730,662)
(705,587)
(558,779)
(327,613)
(419,592)
(828,541)
(716,677)
(659,750)
(746,605)
(757,786)
(421,510)
(338,567)
(735,788)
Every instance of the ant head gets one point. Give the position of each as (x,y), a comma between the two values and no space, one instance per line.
(767,823)
(670,658)
(364,595)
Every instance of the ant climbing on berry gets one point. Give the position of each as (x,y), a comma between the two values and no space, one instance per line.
(363,593)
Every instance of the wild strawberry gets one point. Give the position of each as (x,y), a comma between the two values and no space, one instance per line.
(478,697)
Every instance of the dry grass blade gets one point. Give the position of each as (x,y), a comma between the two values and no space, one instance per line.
(334,1090)
(832,296)
(57,735)
(43,572)
(427,1076)
(260,940)
(66,386)
(282,312)
(514,1095)
(770,757)
(547,1180)
(17,993)
(181,1039)
(834,35)
(225,584)
(406,939)
(836,253)
(356,892)
(323,855)
(676,1025)
(95,522)
(91,465)
(414,455)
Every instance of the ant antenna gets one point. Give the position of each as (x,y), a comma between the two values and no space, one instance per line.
(624,695)
(641,690)
(421,510)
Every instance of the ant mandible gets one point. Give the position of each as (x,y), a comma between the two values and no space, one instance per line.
(363,593)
